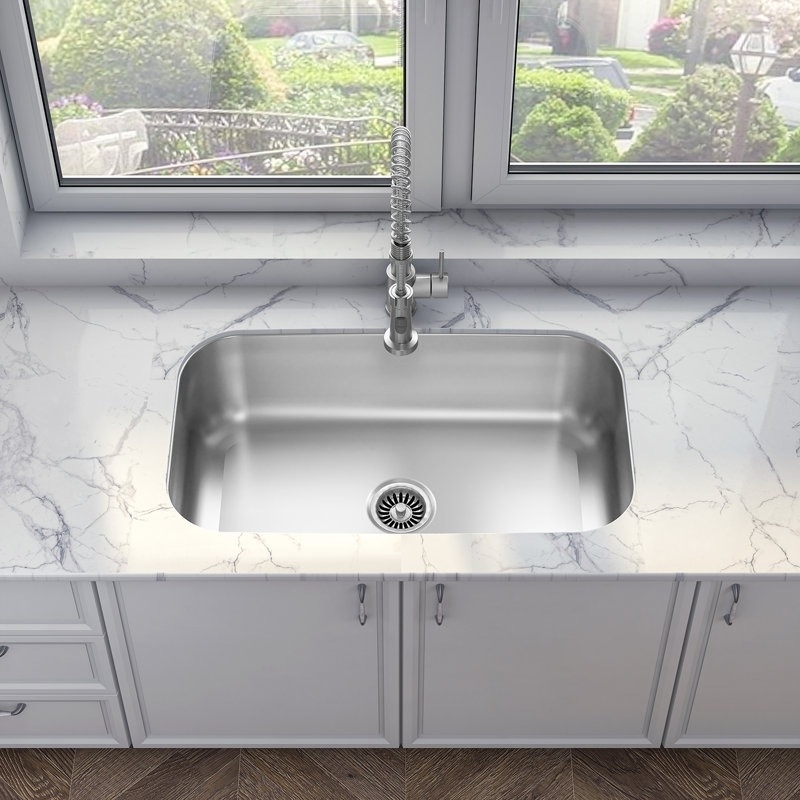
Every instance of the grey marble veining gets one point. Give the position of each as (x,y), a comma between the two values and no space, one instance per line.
(485,248)
(87,385)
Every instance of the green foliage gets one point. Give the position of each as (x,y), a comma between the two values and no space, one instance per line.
(680,8)
(790,152)
(554,131)
(49,17)
(698,122)
(343,87)
(575,88)
(156,54)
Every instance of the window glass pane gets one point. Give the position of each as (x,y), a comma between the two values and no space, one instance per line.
(221,91)
(656,85)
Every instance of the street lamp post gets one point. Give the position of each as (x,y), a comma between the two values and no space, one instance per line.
(752,56)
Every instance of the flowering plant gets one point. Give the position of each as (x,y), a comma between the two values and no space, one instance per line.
(75,106)
(668,37)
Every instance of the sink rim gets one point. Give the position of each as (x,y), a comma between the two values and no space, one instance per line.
(423,333)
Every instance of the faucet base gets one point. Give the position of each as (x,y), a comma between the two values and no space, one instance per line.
(400,349)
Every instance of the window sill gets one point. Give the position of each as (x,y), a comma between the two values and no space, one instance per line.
(503,247)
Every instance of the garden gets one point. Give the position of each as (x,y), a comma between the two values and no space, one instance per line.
(213,100)
(685,95)
(221,92)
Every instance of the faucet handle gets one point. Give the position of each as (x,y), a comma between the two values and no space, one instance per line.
(439,283)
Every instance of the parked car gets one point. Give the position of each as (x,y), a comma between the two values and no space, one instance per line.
(324,44)
(604,69)
(785,95)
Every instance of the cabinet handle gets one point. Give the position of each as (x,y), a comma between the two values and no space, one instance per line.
(3,649)
(362,611)
(439,603)
(732,613)
(16,711)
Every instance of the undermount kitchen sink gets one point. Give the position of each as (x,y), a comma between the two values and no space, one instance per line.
(475,432)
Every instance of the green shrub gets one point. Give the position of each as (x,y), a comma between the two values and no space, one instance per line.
(49,17)
(790,152)
(148,54)
(343,87)
(697,123)
(554,131)
(575,88)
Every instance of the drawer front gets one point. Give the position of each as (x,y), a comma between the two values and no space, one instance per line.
(48,607)
(61,723)
(59,667)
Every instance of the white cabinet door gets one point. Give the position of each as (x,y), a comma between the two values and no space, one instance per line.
(269,663)
(532,663)
(738,684)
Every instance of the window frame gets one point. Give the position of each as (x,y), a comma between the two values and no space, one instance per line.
(494,185)
(424,79)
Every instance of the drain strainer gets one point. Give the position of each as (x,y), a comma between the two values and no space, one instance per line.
(401,505)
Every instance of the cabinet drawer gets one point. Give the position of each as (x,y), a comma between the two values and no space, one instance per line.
(51,607)
(62,723)
(63,667)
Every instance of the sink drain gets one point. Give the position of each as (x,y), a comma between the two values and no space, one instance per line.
(401,505)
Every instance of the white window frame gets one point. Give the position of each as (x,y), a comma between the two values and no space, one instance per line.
(494,185)
(425,34)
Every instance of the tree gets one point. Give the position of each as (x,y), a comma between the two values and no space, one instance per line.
(697,124)
(49,17)
(155,54)
(784,19)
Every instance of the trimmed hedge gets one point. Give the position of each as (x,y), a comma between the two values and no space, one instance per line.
(342,87)
(575,88)
(156,54)
(554,131)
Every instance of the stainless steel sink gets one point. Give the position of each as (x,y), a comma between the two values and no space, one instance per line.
(490,432)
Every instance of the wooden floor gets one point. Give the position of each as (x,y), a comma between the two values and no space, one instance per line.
(400,774)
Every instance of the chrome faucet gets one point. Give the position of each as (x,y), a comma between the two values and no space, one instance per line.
(403,281)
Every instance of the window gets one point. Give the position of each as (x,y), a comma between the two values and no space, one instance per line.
(262,104)
(522,77)
(583,102)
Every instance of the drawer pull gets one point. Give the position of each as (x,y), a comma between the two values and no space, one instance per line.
(16,711)
(362,611)
(732,613)
(439,603)
(3,649)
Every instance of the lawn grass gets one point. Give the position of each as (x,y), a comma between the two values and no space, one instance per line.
(657,81)
(642,97)
(266,47)
(386,44)
(639,59)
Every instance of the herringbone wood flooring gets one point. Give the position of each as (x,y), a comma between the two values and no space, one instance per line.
(607,774)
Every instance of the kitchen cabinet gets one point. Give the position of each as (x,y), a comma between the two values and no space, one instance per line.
(57,686)
(541,663)
(738,682)
(258,663)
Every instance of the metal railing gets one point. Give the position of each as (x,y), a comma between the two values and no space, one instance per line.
(213,142)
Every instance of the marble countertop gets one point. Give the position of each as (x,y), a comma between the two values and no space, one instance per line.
(87,386)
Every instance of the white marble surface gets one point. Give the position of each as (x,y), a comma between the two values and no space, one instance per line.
(486,248)
(87,384)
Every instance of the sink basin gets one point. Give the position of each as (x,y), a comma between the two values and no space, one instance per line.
(475,432)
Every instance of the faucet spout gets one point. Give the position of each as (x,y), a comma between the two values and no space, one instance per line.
(400,337)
